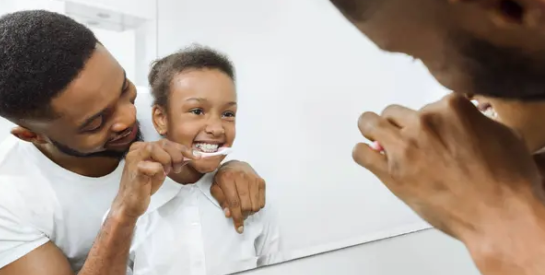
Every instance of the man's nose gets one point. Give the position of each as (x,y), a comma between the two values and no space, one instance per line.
(124,118)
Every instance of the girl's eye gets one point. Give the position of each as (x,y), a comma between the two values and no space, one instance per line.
(229,114)
(197,111)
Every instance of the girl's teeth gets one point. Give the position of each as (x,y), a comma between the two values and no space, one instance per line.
(207,147)
(490,113)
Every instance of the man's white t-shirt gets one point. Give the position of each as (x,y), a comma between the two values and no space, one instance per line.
(41,201)
(184,231)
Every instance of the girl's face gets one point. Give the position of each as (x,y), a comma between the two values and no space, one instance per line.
(201,114)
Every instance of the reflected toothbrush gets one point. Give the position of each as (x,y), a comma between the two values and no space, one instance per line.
(220,152)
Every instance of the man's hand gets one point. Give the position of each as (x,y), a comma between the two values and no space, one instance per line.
(467,175)
(146,166)
(239,190)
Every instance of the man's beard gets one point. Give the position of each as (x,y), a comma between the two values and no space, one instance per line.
(502,72)
(107,153)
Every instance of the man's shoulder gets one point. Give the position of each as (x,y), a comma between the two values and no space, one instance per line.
(24,192)
(20,175)
(15,156)
(29,201)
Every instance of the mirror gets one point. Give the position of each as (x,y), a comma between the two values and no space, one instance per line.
(301,85)
(302,82)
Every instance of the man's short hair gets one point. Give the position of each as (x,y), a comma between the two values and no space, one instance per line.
(41,52)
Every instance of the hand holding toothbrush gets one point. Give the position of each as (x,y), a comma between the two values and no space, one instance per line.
(459,170)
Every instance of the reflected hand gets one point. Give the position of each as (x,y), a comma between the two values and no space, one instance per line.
(467,175)
(146,166)
(239,190)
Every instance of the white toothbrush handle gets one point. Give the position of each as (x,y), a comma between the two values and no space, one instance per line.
(224,151)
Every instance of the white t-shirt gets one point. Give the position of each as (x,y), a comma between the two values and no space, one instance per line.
(41,201)
(185,231)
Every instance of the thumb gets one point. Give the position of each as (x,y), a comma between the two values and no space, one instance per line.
(370,159)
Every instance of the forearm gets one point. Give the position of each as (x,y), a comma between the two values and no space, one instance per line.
(110,253)
(514,246)
(492,265)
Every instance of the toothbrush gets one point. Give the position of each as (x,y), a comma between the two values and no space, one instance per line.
(221,151)
(376,146)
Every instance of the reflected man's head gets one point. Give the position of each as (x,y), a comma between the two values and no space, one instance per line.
(494,48)
(195,101)
(63,88)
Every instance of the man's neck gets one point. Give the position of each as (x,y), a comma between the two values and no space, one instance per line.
(188,175)
(90,167)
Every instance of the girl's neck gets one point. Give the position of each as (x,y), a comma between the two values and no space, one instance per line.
(188,175)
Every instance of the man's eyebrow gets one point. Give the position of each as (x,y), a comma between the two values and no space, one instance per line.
(92,118)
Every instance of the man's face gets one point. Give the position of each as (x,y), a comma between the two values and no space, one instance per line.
(97,116)
(494,48)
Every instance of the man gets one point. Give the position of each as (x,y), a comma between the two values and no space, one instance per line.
(63,168)
(466,174)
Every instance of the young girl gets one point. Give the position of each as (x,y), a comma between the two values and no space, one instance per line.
(184,230)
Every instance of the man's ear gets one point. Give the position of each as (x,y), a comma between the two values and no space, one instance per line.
(160,119)
(27,135)
(526,13)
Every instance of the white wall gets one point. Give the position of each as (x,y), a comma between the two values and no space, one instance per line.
(424,253)
(304,77)
(7,6)
(140,8)
(134,49)
(122,45)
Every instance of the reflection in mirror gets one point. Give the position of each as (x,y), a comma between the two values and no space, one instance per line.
(185,230)
(295,102)
(301,85)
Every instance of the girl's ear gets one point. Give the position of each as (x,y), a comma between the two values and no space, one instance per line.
(160,119)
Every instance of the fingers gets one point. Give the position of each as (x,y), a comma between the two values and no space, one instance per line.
(399,116)
(236,214)
(218,194)
(243,189)
(376,128)
(170,154)
(231,196)
(153,170)
(152,152)
(370,159)
(150,168)
(254,197)
(257,195)
(262,194)
(175,151)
